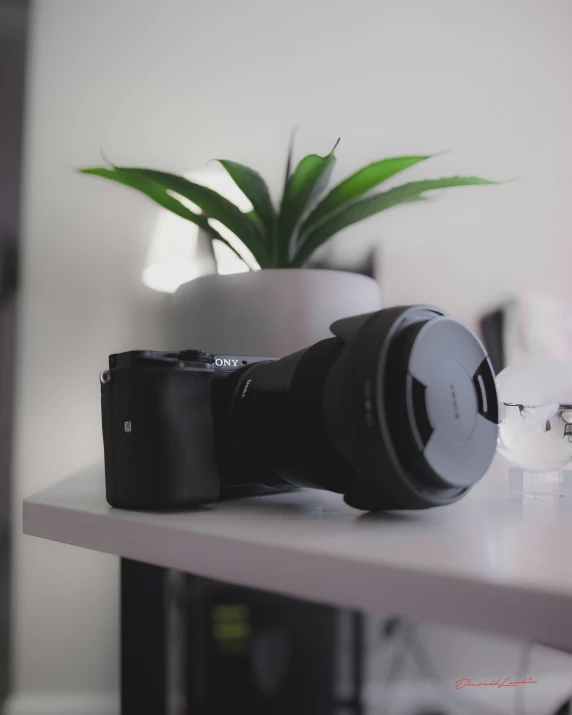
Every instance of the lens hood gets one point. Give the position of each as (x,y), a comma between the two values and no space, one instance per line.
(411,405)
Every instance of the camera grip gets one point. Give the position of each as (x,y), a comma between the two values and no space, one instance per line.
(158,438)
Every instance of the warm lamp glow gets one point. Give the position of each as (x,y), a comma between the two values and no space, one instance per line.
(173,257)
(168,276)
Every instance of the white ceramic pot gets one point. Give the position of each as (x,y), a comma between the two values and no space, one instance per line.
(271,312)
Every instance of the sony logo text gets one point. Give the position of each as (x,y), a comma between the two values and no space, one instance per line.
(226,362)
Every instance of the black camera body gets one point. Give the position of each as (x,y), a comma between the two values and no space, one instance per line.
(158,415)
(398,410)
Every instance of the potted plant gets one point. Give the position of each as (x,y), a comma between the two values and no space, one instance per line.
(284,305)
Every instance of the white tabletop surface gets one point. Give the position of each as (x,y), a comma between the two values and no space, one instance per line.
(493,561)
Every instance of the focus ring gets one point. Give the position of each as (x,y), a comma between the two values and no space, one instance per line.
(306,401)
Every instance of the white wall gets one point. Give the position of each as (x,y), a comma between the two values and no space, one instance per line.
(174,83)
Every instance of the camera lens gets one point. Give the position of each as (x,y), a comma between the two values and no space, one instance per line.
(277,424)
(397,410)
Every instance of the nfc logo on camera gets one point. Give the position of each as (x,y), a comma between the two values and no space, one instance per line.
(127,426)
(226,362)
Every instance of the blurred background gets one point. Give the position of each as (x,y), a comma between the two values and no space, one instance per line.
(171,85)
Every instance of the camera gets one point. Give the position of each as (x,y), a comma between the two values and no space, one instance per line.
(397,410)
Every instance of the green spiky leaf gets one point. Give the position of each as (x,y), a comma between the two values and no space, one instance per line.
(304,185)
(360,210)
(213,206)
(289,160)
(254,188)
(160,196)
(358,184)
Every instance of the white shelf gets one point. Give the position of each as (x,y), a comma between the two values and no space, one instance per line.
(492,561)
